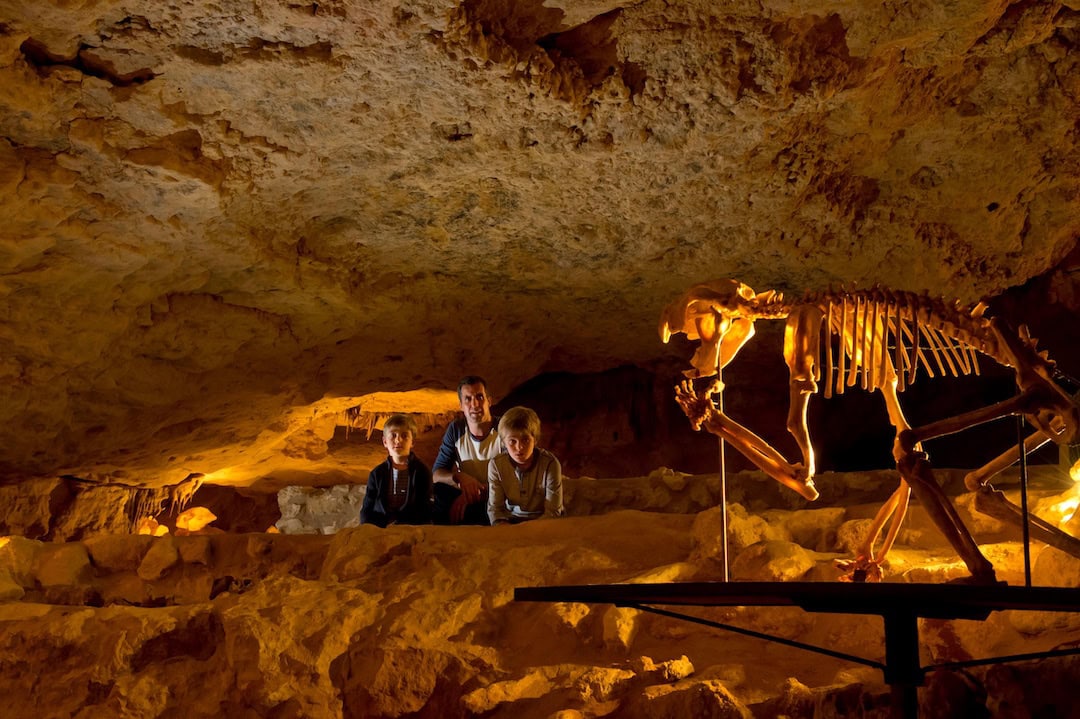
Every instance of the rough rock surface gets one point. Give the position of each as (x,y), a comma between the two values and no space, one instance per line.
(421,622)
(225,223)
(237,235)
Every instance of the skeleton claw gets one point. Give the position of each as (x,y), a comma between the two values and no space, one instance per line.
(861,569)
(695,405)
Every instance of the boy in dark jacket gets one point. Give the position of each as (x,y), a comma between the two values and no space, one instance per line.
(399,489)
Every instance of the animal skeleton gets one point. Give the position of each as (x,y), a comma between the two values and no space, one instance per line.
(878,339)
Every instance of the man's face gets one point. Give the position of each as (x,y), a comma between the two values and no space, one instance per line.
(398,443)
(475,403)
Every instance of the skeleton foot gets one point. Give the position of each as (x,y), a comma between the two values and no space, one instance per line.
(861,569)
(804,483)
(696,406)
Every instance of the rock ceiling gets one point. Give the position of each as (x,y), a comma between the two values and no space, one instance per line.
(224,219)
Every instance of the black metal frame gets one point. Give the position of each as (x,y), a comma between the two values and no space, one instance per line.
(899,605)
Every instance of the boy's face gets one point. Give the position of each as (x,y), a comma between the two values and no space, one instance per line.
(398,443)
(520,446)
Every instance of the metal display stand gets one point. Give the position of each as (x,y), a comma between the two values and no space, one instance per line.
(899,605)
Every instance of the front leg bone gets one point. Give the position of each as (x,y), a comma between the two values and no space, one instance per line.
(702,412)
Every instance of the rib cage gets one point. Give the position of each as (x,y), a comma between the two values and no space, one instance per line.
(867,334)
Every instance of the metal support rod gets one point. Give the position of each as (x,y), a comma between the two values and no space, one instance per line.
(1024,499)
(900,606)
(757,635)
(725,572)
(902,671)
(1052,653)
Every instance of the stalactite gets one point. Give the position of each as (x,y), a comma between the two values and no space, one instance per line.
(145,503)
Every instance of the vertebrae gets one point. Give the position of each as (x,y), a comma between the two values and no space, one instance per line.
(871,335)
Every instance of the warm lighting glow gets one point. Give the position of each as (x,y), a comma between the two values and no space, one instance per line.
(149,525)
(417,401)
(1062,511)
(4,541)
(371,410)
(221,476)
(194,519)
(1075,471)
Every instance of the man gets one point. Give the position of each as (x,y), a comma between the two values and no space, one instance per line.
(460,470)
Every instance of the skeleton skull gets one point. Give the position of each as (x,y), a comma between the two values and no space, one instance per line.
(721,314)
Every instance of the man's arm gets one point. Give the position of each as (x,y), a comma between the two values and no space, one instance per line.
(447,468)
(446,461)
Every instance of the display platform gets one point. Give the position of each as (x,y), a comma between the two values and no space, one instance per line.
(899,605)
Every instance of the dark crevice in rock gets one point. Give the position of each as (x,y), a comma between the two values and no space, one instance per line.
(518,26)
(236,510)
(98,692)
(201,55)
(67,596)
(60,500)
(261,49)
(453,132)
(85,61)
(1016,14)
(567,62)
(333,8)
(198,639)
(230,584)
(745,54)
(817,54)
(1067,27)
(180,152)
(634,77)
(257,49)
(590,45)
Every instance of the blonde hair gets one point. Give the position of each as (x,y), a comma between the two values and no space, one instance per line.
(399,422)
(520,419)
